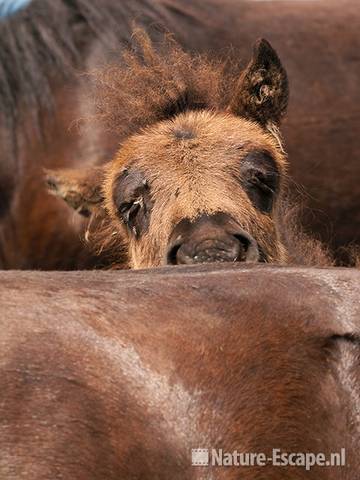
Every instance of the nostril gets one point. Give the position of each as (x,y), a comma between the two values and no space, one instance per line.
(172,254)
(249,247)
(244,241)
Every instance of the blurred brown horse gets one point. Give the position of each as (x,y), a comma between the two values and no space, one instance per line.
(46,46)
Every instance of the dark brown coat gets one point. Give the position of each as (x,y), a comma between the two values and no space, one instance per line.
(317,40)
(109,376)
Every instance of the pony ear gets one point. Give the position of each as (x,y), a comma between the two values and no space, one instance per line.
(80,188)
(262,91)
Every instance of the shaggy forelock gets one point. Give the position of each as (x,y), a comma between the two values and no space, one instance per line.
(154,83)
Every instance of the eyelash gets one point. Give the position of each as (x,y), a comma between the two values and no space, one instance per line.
(258,180)
(261,189)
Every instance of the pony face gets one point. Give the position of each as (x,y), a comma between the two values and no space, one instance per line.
(200,167)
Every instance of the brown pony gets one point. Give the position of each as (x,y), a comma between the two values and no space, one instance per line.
(109,376)
(200,173)
(46,46)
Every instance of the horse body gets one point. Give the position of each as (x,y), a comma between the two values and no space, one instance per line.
(120,375)
(317,139)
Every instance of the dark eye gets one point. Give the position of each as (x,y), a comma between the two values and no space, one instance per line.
(260,179)
(131,196)
(128,211)
(261,191)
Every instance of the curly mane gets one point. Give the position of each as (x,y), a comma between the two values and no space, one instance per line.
(156,82)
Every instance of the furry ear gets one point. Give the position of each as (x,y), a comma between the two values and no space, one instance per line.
(262,91)
(80,188)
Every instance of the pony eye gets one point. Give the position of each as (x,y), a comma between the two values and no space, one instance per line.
(133,202)
(129,210)
(261,190)
(260,179)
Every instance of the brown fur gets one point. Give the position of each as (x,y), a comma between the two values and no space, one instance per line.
(149,87)
(321,129)
(118,376)
(164,81)
(303,247)
(187,124)
(104,239)
(195,169)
